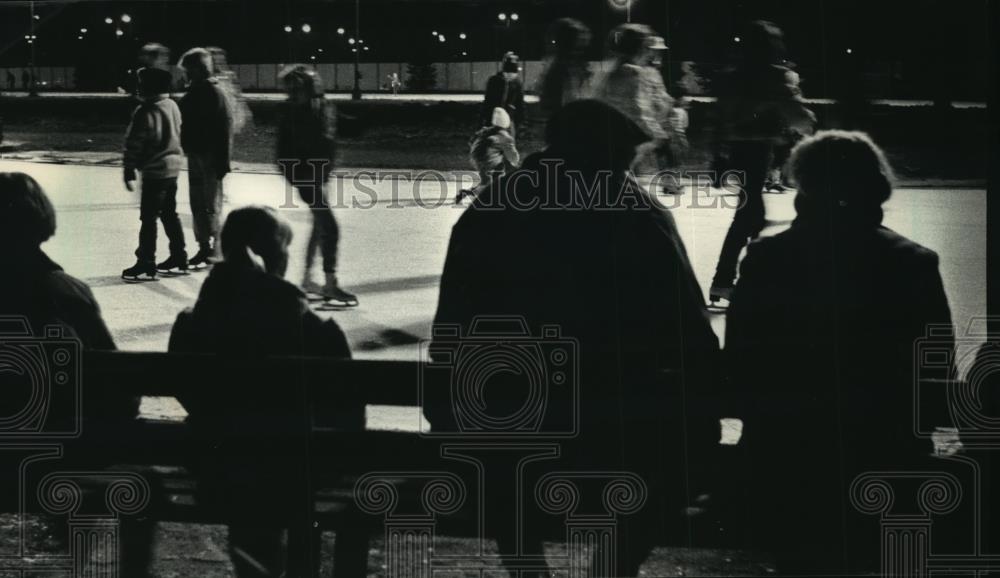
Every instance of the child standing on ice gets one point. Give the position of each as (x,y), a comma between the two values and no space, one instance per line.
(306,145)
(492,151)
(153,147)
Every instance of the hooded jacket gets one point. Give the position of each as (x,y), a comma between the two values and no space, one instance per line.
(153,139)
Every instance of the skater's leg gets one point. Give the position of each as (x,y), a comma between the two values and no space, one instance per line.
(168,216)
(754,159)
(206,200)
(151,198)
(329,238)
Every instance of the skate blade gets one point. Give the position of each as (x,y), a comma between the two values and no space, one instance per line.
(172,272)
(336,305)
(137,280)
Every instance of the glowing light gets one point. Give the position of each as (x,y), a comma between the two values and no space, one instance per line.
(462,36)
(306,28)
(441,38)
(108,20)
(126,18)
(736,39)
(849,51)
(501,16)
(119,33)
(340,31)
(351,41)
(288,28)
(83,31)
(514,17)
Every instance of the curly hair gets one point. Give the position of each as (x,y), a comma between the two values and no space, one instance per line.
(842,171)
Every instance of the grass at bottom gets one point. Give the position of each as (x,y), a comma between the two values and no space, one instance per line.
(201,550)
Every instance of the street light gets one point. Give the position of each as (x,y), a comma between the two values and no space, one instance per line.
(356,93)
(462,36)
(849,51)
(119,33)
(83,31)
(514,17)
(108,20)
(441,38)
(306,28)
(434,32)
(351,41)
(340,31)
(736,39)
(126,18)
(502,17)
(288,29)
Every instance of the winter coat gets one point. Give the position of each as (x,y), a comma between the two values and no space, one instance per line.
(153,139)
(493,148)
(506,94)
(307,133)
(207,127)
(638,93)
(37,289)
(615,281)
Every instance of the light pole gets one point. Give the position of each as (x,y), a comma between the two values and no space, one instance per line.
(356,93)
(33,85)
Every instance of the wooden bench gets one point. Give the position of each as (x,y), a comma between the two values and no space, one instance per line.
(404,485)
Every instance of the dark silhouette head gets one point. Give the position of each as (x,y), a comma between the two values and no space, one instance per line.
(842,176)
(763,44)
(256,233)
(510,63)
(591,135)
(568,39)
(154,81)
(27,218)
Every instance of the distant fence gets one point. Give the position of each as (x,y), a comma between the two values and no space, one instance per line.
(880,80)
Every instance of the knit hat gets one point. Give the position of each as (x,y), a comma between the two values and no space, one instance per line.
(500,118)
(153,81)
(510,63)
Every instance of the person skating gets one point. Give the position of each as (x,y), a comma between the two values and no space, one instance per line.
(306,147)
(759,99)
(504,90)
(492,151)
(206,137)
(152,147)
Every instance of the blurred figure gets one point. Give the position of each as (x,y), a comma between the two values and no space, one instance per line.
(758,100)
(394,82)
(254,464)
(534,248)
(566,76)
(307,131)
(11,81)
(635,87)
(493,153)
(820,339)
(206,135)
(229,84)
(153,147)
(504,90)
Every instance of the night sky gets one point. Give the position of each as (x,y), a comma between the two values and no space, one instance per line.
(922,42)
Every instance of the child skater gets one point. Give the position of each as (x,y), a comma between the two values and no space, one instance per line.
(306,144)
(153,147)
(492,151)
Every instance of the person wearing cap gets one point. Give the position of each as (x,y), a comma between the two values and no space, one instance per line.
(504,90)
(492,151)
(632,85)
(534,247)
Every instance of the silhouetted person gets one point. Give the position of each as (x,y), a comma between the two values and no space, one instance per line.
(206,136)
(307,132)
(492,151)
(254,461)
(820,338)
(37,291)
(11,81)
(608,268)
(758,101)
(26,80)
(567,75)
(504,90)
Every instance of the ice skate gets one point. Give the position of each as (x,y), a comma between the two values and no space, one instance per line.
(140,272)
(717,294)
(334,296)
(175,264)
(205,257)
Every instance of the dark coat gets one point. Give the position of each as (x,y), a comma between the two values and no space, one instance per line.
(307,133)
(616,281)
(820,338)
(252,441)
(38,290)
(206,128)
(505,94)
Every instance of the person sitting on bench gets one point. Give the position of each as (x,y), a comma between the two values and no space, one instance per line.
(254,463)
